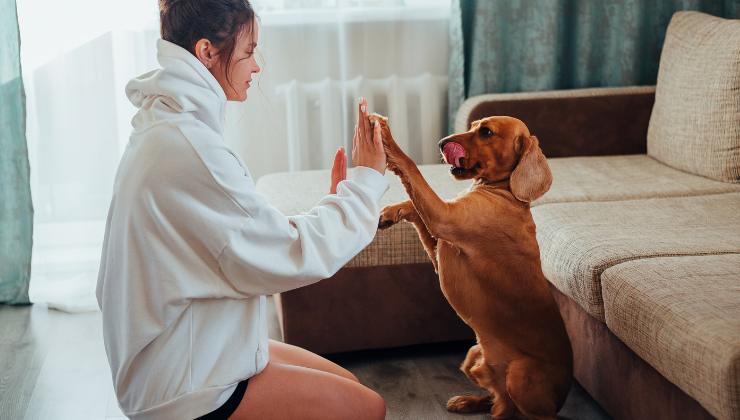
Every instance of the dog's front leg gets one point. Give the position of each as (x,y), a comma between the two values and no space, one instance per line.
(390,215)
(434,212)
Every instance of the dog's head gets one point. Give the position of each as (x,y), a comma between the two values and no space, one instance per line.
(497,149)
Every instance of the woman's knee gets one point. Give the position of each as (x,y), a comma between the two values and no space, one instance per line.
(374,406)
(378,406)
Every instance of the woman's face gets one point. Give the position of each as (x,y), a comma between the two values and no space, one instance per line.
(243,66)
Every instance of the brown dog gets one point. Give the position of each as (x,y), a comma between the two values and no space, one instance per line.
(484,248)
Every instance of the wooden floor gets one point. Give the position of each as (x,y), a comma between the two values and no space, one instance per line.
(53,367)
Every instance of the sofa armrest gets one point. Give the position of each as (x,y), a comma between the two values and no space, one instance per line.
(577,122)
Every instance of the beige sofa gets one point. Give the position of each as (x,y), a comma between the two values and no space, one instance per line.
(640,238)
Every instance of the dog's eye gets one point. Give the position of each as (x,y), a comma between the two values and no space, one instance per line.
(485,132)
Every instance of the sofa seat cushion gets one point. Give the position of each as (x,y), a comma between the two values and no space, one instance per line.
(628,177)
(576,179)
(695,124)
(682,316)
(578,241)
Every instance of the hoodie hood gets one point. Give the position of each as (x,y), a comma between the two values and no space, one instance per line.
(182,86)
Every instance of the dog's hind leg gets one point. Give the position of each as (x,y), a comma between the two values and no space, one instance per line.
(538,389)
(474,355)
(470,403)
(493,378)
(490,378)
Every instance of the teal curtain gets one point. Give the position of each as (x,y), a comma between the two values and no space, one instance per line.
(532,45)
(16,209)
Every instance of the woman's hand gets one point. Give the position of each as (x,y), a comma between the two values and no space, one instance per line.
(367,144)
(338,170)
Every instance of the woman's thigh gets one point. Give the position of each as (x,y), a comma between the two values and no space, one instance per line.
(292,355)
(295,392)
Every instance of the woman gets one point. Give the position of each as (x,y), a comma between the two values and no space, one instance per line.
(191,249)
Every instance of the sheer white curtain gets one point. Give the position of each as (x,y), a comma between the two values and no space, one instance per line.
(316,57)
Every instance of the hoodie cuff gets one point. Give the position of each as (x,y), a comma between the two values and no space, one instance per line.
(371,179)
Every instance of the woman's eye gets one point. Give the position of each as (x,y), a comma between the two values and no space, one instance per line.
(485,132)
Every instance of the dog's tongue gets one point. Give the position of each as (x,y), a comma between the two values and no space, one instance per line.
(453,153)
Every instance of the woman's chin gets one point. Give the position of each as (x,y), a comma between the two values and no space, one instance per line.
(238,98)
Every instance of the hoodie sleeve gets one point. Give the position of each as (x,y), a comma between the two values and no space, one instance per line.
(267,252)
(273,253)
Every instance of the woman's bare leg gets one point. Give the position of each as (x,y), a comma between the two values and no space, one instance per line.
(291,355)
(283,391)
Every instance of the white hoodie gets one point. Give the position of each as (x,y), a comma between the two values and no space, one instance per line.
(191,249)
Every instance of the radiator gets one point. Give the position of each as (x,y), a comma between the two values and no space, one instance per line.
(321,116)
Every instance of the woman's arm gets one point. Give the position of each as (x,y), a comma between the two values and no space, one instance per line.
(272,253)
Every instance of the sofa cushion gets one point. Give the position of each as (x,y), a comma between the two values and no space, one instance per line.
(695,124)
(578,241)
(575,179)
(682,316)
(612,178)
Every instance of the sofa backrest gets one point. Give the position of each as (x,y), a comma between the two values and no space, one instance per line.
(695,123)
(574,122)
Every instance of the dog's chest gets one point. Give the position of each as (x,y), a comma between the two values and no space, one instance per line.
(458,284)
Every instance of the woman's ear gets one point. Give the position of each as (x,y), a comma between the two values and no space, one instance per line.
(532,177)
(206,52)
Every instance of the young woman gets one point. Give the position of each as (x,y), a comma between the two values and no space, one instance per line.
(191,249)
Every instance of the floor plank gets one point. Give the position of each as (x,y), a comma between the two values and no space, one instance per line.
(75,381)
(23,348)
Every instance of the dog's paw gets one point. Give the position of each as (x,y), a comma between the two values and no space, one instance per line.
(388,217)
(385,223)
(469,404)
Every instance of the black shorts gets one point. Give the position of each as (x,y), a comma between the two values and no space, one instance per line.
(228,408)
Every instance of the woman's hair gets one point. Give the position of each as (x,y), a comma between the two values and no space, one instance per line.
(185,22)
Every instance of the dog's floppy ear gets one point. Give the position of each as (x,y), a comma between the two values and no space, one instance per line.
(531,177)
